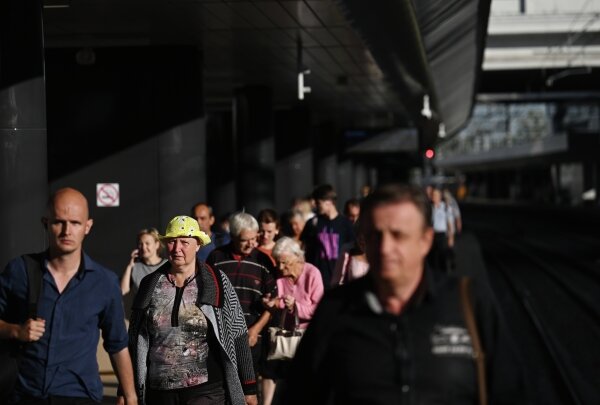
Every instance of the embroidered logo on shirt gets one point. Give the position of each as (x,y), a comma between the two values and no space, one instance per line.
(449,340)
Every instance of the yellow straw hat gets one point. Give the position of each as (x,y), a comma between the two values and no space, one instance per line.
(185,227)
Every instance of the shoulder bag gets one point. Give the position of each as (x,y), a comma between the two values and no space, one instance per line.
(10,351)
(283,343)
(478,353)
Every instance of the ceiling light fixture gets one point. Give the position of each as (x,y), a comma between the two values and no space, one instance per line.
(442,130)
(426,111)
(567,72)
(302,89)
(302,70)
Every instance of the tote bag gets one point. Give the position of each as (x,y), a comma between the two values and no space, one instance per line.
(283,343)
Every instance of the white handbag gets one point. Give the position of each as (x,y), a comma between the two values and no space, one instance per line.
(283,343)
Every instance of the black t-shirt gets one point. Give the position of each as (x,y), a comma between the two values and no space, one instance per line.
(324,240)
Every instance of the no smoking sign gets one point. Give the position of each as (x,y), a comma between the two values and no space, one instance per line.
(107,194)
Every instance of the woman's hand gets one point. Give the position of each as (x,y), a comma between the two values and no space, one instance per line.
(126,277)
(289,301)
(134,255)
(270,303)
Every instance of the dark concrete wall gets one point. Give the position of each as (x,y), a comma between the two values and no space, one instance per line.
(135,117)
(23,175)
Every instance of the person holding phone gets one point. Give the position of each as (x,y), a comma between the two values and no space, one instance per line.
(144,260)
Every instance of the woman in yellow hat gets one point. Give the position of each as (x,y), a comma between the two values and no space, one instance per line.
(188,337)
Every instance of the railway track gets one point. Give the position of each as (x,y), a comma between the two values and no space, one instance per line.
(546,277)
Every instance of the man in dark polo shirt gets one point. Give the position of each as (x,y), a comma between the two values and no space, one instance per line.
(252,274)
(398,335)
(77,298)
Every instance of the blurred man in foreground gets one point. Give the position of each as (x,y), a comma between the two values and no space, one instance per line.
(398,335)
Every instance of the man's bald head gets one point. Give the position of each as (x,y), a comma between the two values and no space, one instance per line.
(68,194)
(67,220)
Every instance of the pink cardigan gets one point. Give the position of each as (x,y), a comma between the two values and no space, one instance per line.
(307,291)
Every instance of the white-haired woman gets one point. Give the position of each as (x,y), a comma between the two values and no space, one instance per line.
(300,288)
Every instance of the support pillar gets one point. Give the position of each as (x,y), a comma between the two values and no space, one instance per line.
(254,149)
(597,182)
(327,171)
(182,172)
(181,147)
(23,151)
(345,183)
(361,179)
(591,181)
(293,155)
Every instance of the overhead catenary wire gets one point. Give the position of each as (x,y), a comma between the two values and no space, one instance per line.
(572,35)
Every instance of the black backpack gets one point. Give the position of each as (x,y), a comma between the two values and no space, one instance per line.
(10,350)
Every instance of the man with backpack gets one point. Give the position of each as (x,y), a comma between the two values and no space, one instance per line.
(54,332)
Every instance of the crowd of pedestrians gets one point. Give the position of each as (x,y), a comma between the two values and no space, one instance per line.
(372,290)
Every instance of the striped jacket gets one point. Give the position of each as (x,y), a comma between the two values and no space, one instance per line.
(219,303)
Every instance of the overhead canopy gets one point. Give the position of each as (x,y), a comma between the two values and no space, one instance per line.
(371,62)
(429,47)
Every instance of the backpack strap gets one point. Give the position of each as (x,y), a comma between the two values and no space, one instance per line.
(33,263)
(478,354)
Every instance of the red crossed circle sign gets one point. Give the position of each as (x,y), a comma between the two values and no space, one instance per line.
(107,194)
